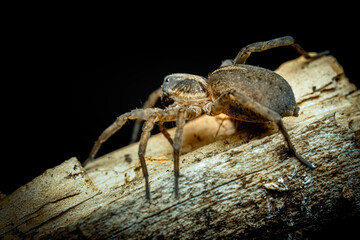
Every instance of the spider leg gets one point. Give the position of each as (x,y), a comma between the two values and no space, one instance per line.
(114,127)
(151,115)
(164,131)
(225,100)
(277,42)
(142,114)
(146,130)
(150,102)
(180,123)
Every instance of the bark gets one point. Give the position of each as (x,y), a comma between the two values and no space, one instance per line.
(242,184)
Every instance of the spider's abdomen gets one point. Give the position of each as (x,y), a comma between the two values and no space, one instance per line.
(264,86)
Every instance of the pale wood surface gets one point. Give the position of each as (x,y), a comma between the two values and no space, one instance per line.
(242,184)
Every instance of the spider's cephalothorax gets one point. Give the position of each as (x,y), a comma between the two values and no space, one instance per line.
(185,89)
(242,92)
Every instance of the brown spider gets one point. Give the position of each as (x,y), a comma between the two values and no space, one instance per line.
(242,92)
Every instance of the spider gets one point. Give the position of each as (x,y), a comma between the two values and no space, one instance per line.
(242,92)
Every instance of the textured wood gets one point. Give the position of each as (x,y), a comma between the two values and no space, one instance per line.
(237,185)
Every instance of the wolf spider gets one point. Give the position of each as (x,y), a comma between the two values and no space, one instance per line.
(242,92)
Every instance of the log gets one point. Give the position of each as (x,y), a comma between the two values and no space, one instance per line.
(234,184)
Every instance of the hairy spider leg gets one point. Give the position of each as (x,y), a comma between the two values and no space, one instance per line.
(164,131)
(146,130)
(245,52)
(224,101)
(151,115)
(165,115)
(180,123)
(114,127)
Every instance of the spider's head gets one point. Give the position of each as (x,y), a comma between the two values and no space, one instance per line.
(185,88)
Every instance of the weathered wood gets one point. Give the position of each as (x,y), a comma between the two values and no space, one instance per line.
(243,185)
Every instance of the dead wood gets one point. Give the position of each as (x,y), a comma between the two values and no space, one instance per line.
(241,184)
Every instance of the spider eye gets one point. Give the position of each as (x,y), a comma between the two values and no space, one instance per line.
(167,80)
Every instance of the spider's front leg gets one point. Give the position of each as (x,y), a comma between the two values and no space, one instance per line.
(151,115)
(114,127)
(183,114)
(180,123)
(146,130)
(138,114)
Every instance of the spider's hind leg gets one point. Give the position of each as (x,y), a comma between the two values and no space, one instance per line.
(225,100)
(277,42)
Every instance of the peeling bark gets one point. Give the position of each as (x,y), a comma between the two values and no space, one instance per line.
(241,184)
